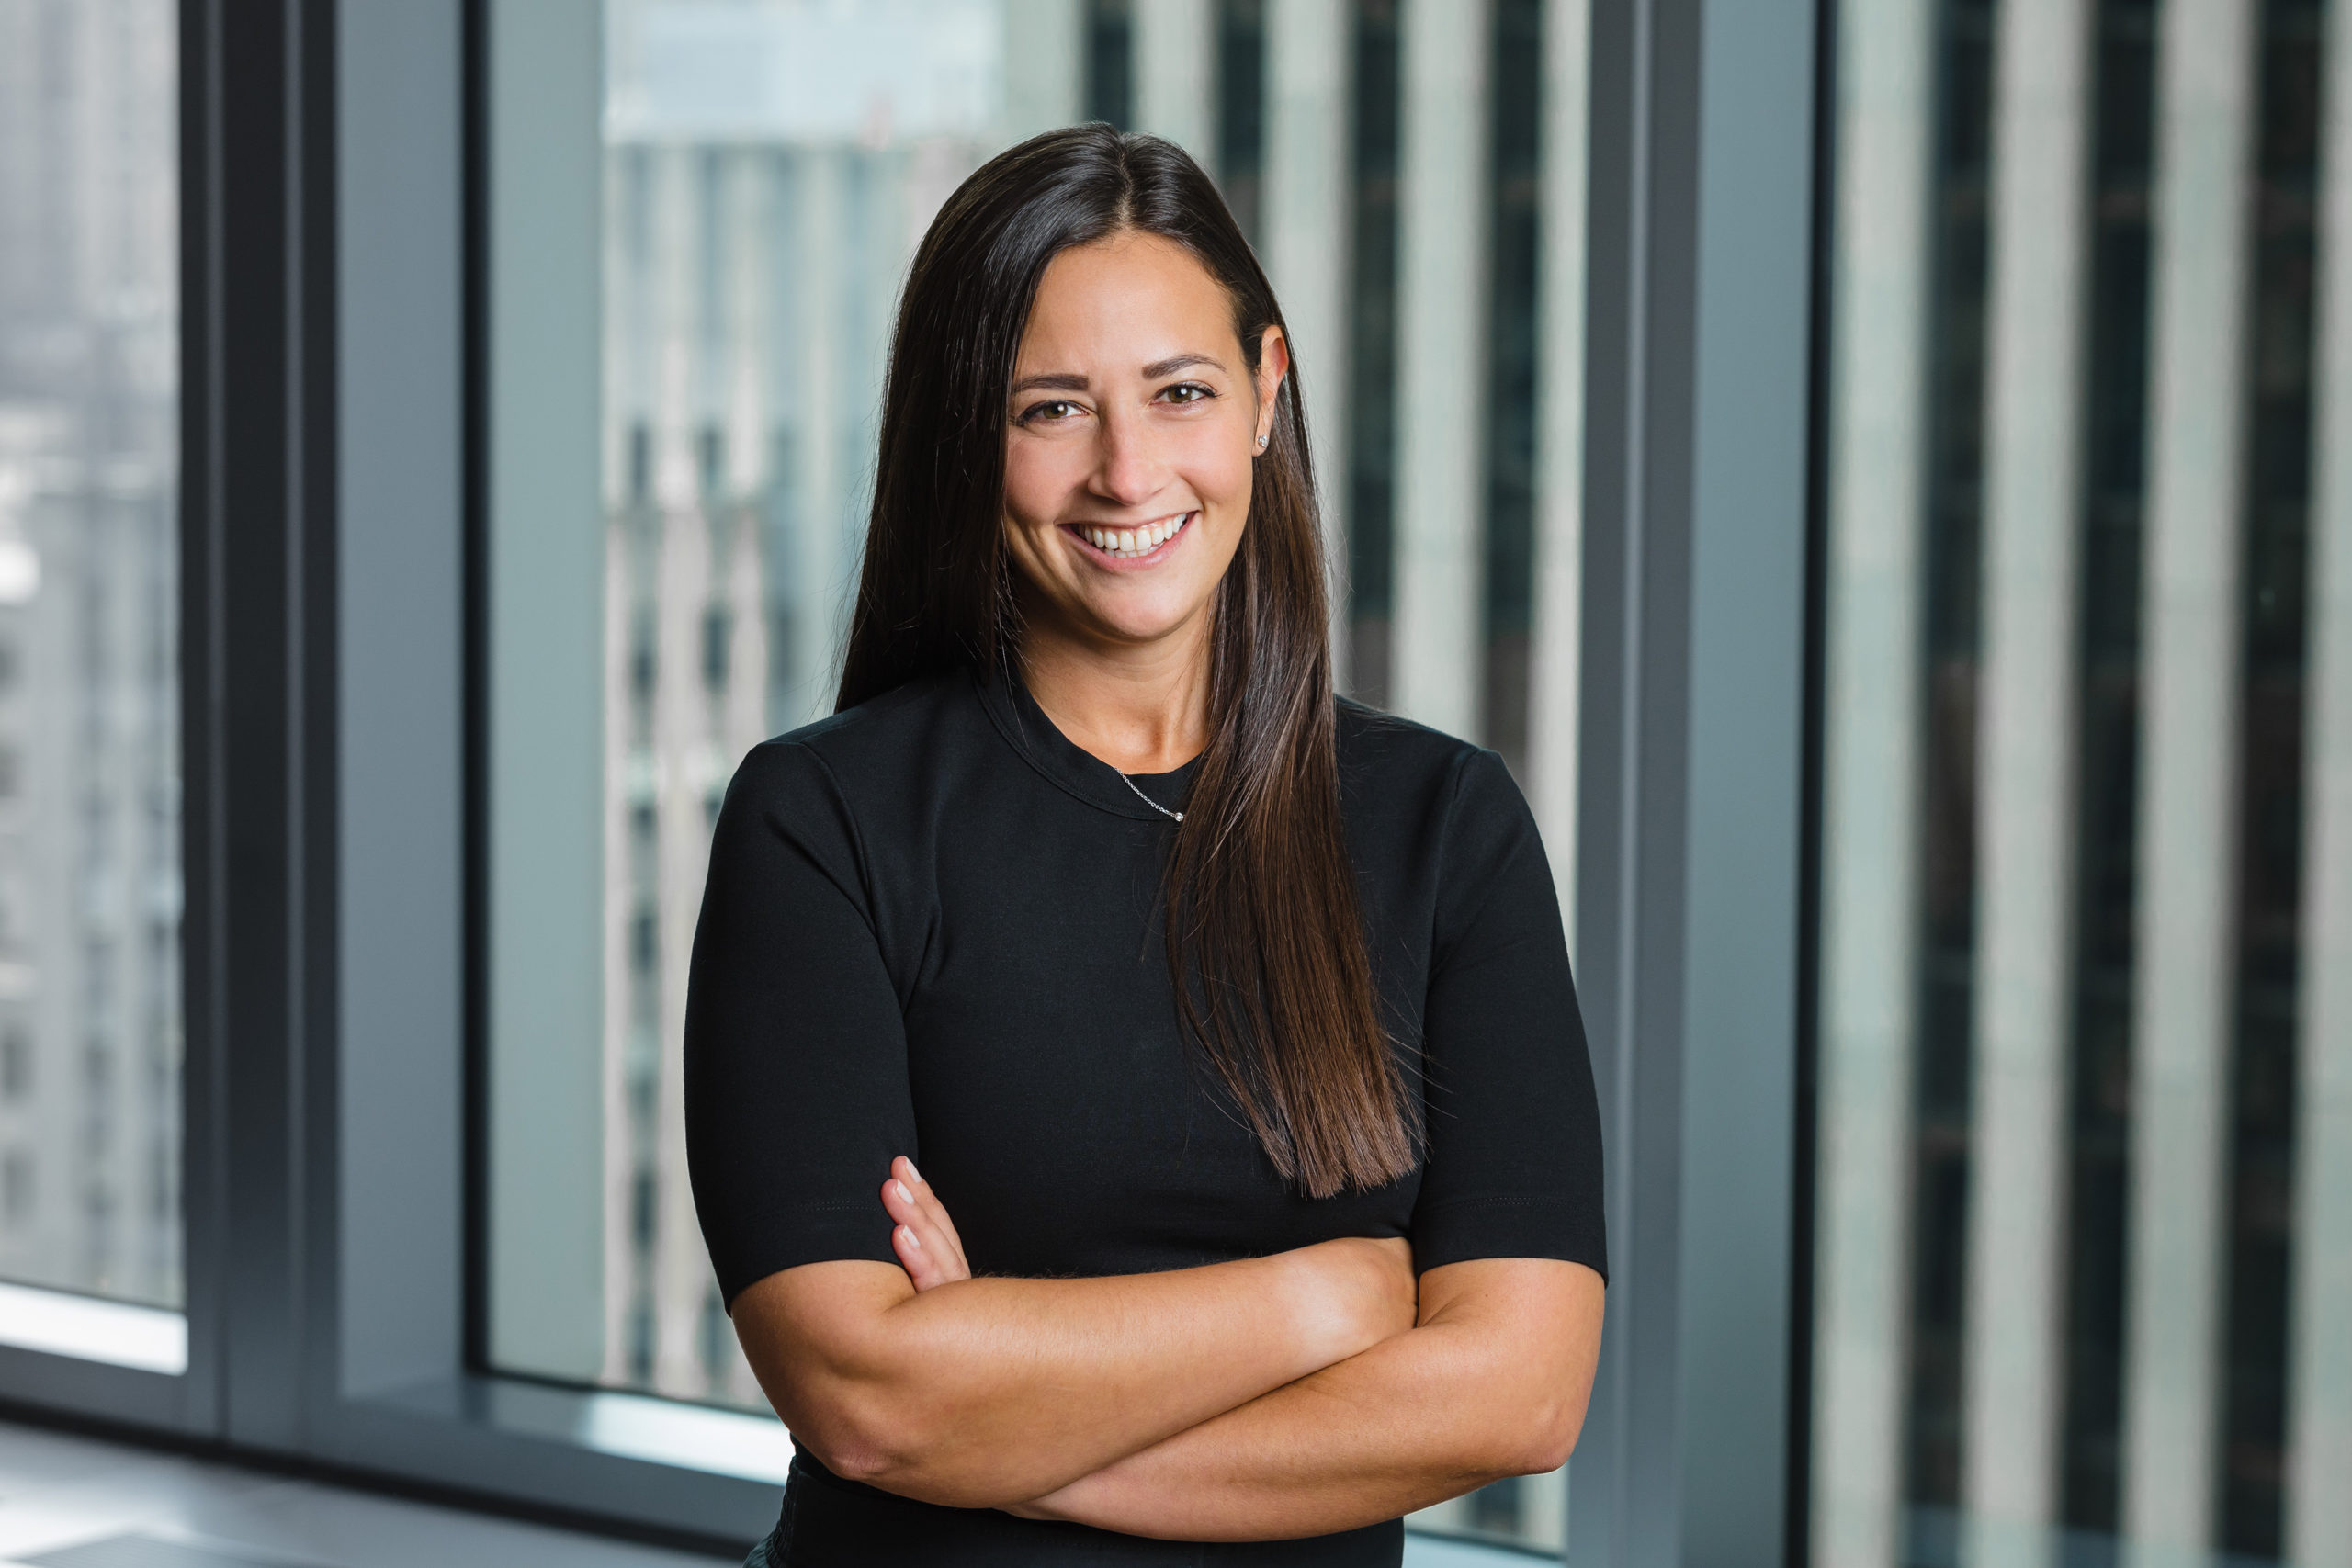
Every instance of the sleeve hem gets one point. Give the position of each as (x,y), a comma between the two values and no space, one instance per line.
(860,1240)
(1470,1229)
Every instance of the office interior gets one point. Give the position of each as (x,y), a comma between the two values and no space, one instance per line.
(1879,472)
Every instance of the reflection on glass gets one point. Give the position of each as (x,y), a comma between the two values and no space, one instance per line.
(767,167)
(89,688)
(2081,1268)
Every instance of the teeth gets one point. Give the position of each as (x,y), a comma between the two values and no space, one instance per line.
(1136,541)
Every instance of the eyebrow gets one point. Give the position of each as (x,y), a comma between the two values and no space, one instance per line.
(1068,382)
(1158,367)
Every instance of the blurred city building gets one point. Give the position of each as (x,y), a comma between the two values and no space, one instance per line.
(89,661)
(2084,1236)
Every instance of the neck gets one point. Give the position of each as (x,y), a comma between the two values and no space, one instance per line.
(1142,707)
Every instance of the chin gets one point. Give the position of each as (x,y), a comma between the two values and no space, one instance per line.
(1139,612)
(1130,627)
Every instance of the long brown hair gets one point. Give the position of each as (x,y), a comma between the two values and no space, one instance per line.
(1264,935)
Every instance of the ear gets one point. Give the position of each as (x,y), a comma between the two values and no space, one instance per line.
(1274,366)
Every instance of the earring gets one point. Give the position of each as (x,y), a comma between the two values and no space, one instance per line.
(1261,444)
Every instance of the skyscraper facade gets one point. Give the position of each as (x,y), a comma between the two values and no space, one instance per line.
(89,693)
(2083,1269)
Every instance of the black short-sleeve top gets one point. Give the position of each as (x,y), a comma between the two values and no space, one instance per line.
(932,928)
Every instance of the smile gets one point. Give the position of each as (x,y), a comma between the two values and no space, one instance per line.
(1133,544)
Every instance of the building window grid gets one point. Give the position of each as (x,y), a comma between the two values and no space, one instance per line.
(1948,813)
(88,680)
(2253,1383)
(1513,349)
(1377,95)
(2262,1159)
(2107,813)
(1240,93)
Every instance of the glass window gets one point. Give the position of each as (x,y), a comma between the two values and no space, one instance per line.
(90,1022)
(2081,1249)
(763,171)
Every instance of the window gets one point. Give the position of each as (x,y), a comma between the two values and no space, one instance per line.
(2081,1236)
(1412,178)
(90,1009)
(492,557)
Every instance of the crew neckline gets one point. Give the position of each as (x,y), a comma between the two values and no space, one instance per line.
(1039,741)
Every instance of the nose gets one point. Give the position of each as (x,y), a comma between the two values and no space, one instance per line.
(1129,469)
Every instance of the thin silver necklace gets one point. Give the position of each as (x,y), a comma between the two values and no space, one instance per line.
(1172,816)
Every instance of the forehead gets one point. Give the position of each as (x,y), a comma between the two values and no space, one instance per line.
(1131,297)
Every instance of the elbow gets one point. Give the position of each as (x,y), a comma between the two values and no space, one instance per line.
(1546,1415)
(854,1454)
(870,1398)
(1550,1440)
(892,1447)
(1539,1437)
(848,1447)
(856,1431)
(861,1440)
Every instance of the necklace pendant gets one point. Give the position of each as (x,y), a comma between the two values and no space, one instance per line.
(1164,811)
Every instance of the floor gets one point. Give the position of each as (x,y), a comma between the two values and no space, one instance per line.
(75,1502)
(68,1501)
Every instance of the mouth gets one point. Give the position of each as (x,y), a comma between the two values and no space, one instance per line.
(1135,546)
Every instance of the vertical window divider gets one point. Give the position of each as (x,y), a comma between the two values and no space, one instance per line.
(1701,279)
(258,520)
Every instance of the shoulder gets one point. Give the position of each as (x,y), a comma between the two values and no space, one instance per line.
(1452,799)
(1384,755)
(900,717)
(855,774)
(880,736)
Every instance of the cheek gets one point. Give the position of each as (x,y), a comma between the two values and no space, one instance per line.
(1218,469)
(1039,478)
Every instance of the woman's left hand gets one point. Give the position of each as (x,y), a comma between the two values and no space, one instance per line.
(923,1237)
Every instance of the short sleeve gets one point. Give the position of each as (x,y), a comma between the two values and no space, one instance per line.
(796,1097)
(1514,1164)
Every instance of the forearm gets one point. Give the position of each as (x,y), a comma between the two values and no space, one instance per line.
(1368,1440)
(987,1391)
(1463,1400)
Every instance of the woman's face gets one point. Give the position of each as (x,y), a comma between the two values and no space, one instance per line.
(1129,441)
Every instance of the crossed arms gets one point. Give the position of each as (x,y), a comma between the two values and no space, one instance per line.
(1309,1391)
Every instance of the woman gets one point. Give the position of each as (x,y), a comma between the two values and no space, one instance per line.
(1231,1025)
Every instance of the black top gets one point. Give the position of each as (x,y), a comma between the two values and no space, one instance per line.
(932,928)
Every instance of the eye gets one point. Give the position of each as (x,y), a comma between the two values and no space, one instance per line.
(1058,408)
(1188,393)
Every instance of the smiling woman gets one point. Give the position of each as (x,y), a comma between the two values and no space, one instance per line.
(1231,1022)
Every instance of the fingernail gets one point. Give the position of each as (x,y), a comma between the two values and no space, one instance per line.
(912,1240)
(912,1170)
(904,1196)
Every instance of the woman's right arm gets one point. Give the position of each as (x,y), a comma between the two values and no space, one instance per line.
(982,1392)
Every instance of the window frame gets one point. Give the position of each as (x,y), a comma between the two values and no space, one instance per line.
(1691,892)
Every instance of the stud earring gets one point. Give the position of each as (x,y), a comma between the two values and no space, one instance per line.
(1261,444)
